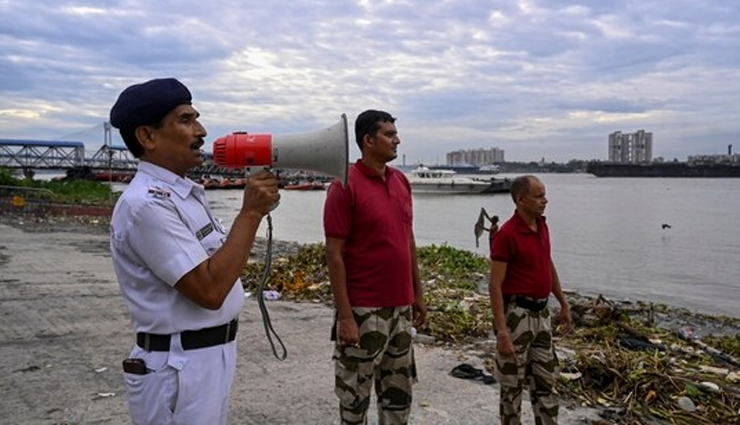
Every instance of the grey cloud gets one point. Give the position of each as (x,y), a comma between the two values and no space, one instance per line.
(614,104)
(456,72)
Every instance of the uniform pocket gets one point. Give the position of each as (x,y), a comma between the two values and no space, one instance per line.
(152,396)
(346,374)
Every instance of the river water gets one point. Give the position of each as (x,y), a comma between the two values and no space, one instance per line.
(607,234)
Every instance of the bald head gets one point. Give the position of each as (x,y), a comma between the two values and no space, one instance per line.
(521,186)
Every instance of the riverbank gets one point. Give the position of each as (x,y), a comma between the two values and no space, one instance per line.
(64,330)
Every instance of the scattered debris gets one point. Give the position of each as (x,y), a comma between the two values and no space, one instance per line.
(31,368)
(570,376)
(424,339)
(636,362)
(686,404)
(103,395)
(271,295)
(466,371)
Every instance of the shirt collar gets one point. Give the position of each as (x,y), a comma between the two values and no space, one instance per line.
(181,186)
(368,172)
(522,226)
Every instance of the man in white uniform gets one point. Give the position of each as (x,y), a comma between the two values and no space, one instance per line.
(177,268)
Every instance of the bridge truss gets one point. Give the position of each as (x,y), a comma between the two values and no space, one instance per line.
(30,155)
(37,154)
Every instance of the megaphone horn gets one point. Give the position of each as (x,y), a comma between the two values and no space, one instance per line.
(324,151)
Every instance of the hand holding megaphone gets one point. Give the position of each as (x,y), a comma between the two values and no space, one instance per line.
(260,194)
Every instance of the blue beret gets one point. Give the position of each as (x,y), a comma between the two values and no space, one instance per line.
(147,103)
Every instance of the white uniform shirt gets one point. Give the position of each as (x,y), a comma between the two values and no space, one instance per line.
(161,229)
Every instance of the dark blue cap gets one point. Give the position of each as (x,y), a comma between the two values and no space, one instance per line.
(147,103)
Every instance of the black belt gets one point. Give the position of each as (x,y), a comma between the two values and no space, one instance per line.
(190,340)
(531,304)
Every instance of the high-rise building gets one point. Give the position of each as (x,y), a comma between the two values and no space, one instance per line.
(476,156)
(631,148)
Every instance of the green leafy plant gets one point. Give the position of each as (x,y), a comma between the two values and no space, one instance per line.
(84,192)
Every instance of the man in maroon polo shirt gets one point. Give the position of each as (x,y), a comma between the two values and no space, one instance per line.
(522,278)
(371,254)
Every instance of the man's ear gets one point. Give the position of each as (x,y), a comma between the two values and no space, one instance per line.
(145,136)
(367,140)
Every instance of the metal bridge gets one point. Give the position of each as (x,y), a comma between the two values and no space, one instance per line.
(30,155)
(54,155)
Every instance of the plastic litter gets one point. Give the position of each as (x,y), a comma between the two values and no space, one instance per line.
(710,387)
(271,295)
(686,332)
(570,376)
(715,370)
(686,404)
(104,395)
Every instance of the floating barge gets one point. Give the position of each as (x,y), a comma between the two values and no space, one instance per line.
(667,169)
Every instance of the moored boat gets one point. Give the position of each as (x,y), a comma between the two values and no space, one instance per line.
(440,181)
(315,185)
(489,169)
(219,182)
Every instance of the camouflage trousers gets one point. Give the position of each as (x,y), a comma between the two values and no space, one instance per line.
(534,365)
(385,357)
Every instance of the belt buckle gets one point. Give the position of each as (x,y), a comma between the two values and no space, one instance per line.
(529,303)
(538,304)
(147,341)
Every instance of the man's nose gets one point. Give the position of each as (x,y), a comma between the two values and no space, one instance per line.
(200,130)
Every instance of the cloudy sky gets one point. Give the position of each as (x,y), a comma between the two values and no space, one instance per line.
(537,78)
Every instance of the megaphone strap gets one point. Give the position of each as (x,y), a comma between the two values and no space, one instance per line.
(269,331)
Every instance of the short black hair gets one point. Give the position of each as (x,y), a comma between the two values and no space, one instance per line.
(369,122)
(132,142)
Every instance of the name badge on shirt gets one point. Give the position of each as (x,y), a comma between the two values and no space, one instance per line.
(159,193)
(205,231)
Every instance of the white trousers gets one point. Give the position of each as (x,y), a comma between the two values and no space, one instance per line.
(182,387)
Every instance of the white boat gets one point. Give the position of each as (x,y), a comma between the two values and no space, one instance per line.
(489,169)
(437,181)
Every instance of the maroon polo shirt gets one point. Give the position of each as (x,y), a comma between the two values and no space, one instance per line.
(527,257)
(374,218)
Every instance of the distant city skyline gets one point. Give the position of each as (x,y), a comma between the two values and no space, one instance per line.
(478,156)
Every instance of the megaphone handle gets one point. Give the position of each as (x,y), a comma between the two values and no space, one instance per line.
(247,171)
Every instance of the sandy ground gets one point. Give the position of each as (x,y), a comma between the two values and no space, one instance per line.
(64,330)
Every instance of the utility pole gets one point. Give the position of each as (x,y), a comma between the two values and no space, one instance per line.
(108,144)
